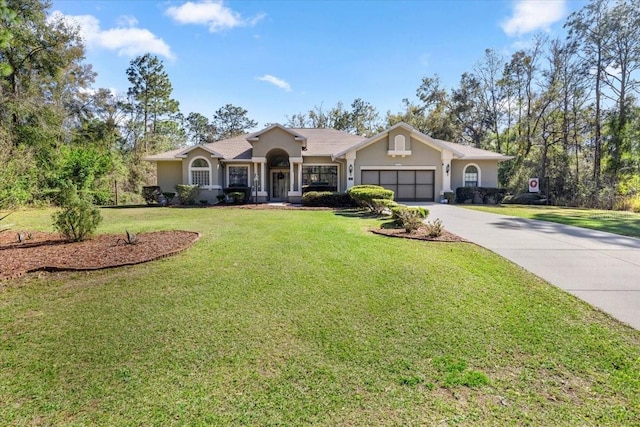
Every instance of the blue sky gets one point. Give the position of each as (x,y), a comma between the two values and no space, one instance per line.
(278,58)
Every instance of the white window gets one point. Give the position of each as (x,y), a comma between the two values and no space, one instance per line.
(399,143)
(200,172)
(238,176)
(471,176)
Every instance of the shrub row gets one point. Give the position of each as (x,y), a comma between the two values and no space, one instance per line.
(525,199)
(327,199)
(479,195)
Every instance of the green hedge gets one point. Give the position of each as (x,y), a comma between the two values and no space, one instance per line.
(480,194)
(327,199)
(364,195)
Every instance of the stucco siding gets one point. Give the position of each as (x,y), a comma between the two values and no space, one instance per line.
(277,138)
(169,174)
(488,171)
(319,160)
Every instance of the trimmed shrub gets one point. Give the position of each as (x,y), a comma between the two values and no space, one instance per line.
(169,196)
(246,191)
(151,194)
(379,206)
(419,210)
(434,228)
(237,196)
(365,194)
(409,218)
(187,193)
(79,218)
(327,199)
(464,194)
(525,199)
(450,196)
(479,195)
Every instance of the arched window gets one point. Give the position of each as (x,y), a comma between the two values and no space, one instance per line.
(471,176)
(399,143)
(200,172)
(279,161)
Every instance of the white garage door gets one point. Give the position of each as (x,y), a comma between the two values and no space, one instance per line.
(406,184)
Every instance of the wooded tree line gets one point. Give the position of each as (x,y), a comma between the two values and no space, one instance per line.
(566,109)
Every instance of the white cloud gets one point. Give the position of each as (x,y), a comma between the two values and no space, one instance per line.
(213,14)
(532,15)
(126,39)
(127,21)
(276,82)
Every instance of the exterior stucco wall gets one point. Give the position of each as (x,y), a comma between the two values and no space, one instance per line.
(209,194)
(168,175)
(277,138)
(488,170)
(408,143)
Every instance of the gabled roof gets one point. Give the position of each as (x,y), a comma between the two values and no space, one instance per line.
(322,142)
(181,153)
(459,151)
(256,135)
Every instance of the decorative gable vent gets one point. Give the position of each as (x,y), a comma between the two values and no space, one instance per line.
(399,147)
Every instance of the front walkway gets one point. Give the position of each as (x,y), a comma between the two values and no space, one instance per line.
(601,268)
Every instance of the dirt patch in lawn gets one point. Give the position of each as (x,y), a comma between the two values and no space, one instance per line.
(50,252)
(419,234)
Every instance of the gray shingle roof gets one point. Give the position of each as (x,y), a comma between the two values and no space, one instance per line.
(319,142)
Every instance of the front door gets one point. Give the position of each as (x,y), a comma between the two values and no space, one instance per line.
(279,185)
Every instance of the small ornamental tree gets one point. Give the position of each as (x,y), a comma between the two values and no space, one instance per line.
(78,218)
(369,196)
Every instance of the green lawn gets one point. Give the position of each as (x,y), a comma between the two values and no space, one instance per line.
(304,318)
(618,222)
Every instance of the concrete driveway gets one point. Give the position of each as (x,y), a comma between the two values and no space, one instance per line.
(602,269)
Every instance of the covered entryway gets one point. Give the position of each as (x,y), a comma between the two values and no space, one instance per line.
(279,175)
(418,185)
(279,185)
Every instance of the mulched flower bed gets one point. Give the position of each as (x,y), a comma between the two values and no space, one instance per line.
(419,234)
(50,252)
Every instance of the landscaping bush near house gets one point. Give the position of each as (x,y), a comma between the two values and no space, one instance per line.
(379,206)
(169,196)
(237,196)
(525,199)
(479,195)
(187,193)
(246,192)
(464,194)
(364,195)
(434,228)
(450,196)
(327,199)
(79,218)
(409,218)
(151,193)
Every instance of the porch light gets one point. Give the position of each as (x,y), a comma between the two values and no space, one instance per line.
(447,168)
(350,169)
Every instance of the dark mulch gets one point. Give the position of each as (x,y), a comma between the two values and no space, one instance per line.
(50,252)
(419,234)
